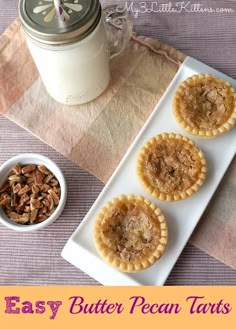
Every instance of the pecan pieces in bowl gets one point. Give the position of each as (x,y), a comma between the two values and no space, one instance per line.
(30,195)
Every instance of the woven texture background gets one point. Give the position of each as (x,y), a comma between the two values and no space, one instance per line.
(35,258)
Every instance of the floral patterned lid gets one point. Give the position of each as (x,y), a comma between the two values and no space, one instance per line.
(59,22)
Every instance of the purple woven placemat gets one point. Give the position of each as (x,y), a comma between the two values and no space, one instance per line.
(34,259)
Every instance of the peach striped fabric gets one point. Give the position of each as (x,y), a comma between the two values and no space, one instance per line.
(17,70)
(87,134)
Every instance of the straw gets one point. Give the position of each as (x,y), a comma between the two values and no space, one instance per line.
(59,9)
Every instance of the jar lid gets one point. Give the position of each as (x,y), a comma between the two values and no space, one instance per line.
(41,20)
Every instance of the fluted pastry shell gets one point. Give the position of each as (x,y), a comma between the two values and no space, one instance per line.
(170,167)
(130,233)
(205,106)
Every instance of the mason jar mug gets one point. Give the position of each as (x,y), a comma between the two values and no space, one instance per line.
(71,42)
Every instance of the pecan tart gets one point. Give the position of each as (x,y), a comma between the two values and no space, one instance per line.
(205,106)
(170,167)
(130,233)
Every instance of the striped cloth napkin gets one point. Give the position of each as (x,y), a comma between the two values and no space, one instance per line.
(97,135)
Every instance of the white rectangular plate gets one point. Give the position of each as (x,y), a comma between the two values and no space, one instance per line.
(182,216)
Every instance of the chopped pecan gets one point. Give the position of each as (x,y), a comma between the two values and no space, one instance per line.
(14,199)
(43,210)
(44,188)
(14,216)
(41,218)
(38,177)
(27,209)
(17,169)
(5,200)
(57,190)
(34,204)
(30,180)
(51,202)
(15,178)
(48,178)
(28,169)
(46,203)
(24,190)
(16,188)
(24,198)
(33,215)
(23,219)
(34,196)
(54,195)
(44,170)
(35,189)
(54,182)
(28,175)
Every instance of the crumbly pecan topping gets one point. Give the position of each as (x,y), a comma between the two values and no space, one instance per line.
(129,231)
(172,165)
(206,105)
(30,195)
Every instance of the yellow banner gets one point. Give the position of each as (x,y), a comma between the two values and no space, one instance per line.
(117,307)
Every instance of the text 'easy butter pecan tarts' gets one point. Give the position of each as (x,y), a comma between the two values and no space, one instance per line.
(170,167)
(205,106)
(130,233)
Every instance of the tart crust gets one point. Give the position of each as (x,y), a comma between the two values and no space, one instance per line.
(170,167)
(130,233)
(205,106)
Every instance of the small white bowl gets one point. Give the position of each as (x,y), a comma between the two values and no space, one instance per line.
(32,158)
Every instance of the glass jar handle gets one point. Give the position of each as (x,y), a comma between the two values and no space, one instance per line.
(119,26)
